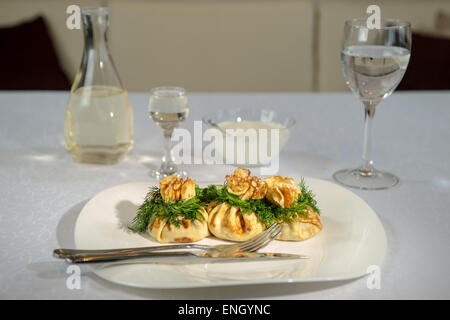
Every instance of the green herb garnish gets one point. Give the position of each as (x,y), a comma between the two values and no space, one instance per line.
(266,211)
(154,206)
(306,198)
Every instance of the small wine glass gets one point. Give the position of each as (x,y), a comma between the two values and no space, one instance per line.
(374,62)
(168,107)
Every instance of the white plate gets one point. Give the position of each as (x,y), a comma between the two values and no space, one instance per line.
(352,239)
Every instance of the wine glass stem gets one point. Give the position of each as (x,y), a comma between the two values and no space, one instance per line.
(168,165)
(369,113)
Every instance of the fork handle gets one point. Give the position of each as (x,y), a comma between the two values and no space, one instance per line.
(124,256)
(66,253)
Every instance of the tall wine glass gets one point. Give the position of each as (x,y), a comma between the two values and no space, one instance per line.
(168,107)
(374,62)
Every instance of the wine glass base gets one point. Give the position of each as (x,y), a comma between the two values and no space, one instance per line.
(159,174)
(360,179)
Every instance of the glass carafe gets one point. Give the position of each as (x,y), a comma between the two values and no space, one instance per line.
(98,124)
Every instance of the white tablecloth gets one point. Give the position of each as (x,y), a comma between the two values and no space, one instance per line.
(42,190)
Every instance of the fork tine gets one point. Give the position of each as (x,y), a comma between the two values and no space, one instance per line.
(265,243)
(258,244)
(240,245)
(257,238)
(269,235)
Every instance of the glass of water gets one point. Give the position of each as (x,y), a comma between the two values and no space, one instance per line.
(374,62)
(168,107)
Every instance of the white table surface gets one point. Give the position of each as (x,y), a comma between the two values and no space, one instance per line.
(42,190)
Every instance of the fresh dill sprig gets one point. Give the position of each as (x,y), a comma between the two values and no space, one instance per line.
(266,211)
(307,197)
(155,206)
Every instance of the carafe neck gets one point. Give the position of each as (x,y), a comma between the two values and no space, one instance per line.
(97,66)
(96,23)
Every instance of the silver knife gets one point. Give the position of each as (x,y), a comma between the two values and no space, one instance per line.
(204,256)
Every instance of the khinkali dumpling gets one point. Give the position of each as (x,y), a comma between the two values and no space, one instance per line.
(301,228)
(188,231)
(284,192)
(228,223)
(175,189)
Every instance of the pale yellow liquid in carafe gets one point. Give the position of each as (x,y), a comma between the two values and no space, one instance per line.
(99,125)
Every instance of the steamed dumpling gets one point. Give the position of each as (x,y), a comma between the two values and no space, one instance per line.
(301,228)
(188,231)
(282,191)
(174,189)
(226,222)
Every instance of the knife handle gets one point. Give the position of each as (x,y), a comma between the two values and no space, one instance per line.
(86,258)
(64,253)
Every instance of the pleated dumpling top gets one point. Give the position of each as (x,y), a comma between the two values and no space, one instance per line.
(282,191)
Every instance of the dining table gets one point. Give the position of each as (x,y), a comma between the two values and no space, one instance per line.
(42,190)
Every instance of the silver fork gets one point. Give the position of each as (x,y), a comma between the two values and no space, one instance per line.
(251,245)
